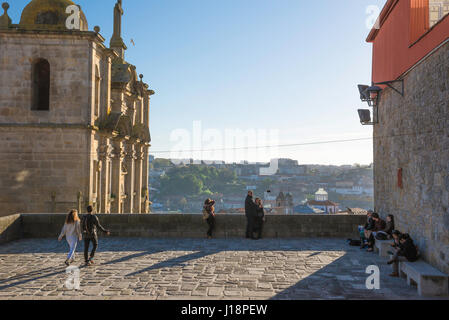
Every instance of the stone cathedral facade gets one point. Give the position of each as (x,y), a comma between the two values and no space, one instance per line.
(74,116)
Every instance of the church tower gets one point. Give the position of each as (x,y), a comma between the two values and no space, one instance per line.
(74,115)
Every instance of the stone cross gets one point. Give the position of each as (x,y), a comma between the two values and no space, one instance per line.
(116,41)
(118,12)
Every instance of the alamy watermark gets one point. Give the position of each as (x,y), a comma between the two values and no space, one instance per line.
(373,17)
(73,278)
(230,144)
(373,280)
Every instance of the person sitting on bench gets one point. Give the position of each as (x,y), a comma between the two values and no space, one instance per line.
(369,225)
(379,225)
(396,235)
(407,252)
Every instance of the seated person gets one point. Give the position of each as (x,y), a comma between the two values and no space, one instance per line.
(387,232)
(396,235)
(363,229)
(379,224)
(407,252)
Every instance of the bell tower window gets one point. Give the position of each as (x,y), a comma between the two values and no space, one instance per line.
(41,86)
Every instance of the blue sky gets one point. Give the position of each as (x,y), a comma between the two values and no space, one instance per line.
(288,68)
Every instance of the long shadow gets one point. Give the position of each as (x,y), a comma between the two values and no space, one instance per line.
(28,274)
(178,261)
(131,256)
(30,279)
(343,280)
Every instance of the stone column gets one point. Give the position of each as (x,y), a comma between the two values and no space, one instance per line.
(145,174)
(129,178)
(117,157)
(104,192)
(138,179)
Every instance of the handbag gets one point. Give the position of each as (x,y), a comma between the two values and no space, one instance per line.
(206,214)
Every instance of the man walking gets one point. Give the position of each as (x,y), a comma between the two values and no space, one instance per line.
(90,224)
(250,213)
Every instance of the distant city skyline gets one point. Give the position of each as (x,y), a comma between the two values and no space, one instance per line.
(288,66)
(210,161)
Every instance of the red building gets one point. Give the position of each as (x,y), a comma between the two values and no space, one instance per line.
(409,31)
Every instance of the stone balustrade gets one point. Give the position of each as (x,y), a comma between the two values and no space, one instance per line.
(185,226)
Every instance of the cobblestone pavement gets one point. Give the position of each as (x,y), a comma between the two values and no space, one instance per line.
(197,269)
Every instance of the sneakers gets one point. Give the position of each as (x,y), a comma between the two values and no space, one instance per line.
(67,262)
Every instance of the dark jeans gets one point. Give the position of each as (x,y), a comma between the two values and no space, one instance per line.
(371,241)
(396,259)
(249,226)
(211,223)
(258,228)
(86,248)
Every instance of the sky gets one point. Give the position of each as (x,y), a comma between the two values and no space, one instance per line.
(233,77)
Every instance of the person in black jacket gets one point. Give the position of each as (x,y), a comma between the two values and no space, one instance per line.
(250,213)
(407,252)
(259,218)
(379,225)
(90,224)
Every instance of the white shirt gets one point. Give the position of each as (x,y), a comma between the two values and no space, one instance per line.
(71,230)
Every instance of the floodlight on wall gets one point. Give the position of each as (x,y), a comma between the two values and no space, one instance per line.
(362,90)
(371,95)
(365,117)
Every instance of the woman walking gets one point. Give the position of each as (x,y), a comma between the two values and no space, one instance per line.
(209,216)
(72,233)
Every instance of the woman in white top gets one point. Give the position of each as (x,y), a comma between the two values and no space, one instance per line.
(72,233)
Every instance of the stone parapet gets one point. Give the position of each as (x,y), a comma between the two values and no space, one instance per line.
(192,225)
(10,228)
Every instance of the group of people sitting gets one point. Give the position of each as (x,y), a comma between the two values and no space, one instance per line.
(402,249)
(254,212)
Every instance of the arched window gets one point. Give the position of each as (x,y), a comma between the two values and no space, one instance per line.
(41,85)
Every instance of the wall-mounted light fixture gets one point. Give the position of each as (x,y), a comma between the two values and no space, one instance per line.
(371,95)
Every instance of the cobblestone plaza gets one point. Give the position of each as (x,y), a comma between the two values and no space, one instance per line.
(163,269)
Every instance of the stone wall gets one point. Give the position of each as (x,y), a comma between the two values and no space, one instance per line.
(192,225)
(413,134)
(42,168)
(69,82)
(44,159)
(10,228)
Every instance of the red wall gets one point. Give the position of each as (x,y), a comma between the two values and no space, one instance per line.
(402,40)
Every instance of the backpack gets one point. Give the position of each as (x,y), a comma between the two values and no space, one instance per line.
(354,243)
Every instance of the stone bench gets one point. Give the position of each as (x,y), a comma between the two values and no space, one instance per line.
(383,246)
(430,281)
